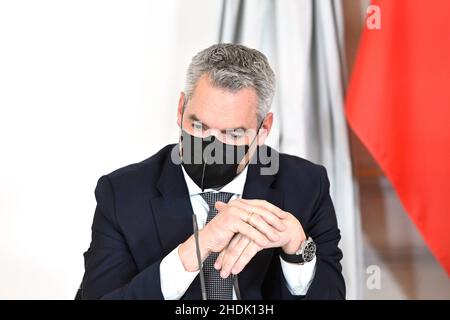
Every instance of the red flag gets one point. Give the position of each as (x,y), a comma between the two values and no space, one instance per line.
(398,104)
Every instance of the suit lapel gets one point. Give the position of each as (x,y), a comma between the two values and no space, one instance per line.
(173,213)
(172,210)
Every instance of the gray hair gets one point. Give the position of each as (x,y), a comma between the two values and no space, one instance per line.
(233,67)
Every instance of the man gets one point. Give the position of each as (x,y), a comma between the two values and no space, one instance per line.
(267,229)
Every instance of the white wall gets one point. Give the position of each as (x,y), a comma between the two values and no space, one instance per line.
(86,87)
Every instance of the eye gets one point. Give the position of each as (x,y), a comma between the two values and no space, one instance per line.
(197,125)
(236,134)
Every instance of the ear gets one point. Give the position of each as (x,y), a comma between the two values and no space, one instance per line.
(265,128)
(180,108)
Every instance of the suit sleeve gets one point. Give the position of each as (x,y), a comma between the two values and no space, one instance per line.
(328,282)
(110,271)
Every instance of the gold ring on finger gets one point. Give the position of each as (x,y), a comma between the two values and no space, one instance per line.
(249,216)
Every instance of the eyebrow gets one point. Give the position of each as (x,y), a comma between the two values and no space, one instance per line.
(193,117)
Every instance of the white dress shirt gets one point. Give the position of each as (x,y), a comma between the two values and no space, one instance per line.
(175,280)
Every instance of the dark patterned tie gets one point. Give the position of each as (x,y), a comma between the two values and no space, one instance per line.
(217,288)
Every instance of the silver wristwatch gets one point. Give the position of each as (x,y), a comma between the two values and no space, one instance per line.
(305,253)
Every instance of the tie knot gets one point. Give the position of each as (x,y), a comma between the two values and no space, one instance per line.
(212,197)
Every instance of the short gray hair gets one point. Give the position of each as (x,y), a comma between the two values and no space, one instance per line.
(233,67)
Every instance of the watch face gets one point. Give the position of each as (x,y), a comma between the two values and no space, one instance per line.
(309,252)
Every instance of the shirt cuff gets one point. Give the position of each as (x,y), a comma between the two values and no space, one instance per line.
(175,280)
(298,276)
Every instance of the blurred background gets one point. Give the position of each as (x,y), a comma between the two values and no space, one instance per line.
(87,87)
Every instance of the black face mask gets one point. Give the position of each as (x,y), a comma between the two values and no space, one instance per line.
(209,162)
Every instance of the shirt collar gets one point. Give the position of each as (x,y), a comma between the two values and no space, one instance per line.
(235,186)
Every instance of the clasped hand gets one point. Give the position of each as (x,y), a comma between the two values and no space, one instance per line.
(243,227)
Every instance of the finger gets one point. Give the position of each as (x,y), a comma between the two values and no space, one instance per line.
(267,205)
(232,255)
(218,263)
(220,205)
(249,231)
(255,221)
(234,240)
(249,252)
(268,216)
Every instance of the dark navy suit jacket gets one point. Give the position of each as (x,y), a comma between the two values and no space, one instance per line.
(143,212)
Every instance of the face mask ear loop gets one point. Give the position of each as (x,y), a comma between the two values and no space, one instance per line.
(204,169)
(182,111)
(203,175)
(257,133)
(181,126)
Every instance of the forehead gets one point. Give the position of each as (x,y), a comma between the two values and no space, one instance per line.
(222,108)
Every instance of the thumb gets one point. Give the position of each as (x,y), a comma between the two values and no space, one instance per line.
(219,205)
